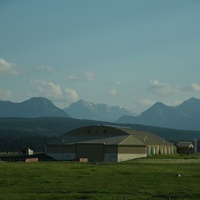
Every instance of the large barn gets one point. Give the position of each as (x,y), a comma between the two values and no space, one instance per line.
(107,143)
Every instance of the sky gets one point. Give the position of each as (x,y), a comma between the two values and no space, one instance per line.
(131,53)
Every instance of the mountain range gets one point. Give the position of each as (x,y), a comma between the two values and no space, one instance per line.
(42,107)
(185,116)
(32,108)
(103,112)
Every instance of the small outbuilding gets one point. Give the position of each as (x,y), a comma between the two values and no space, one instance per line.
(108,144)
(25,151)
(185,147)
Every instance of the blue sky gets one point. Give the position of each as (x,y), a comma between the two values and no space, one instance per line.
(131,53)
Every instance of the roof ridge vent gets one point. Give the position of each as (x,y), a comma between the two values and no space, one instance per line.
(115,126)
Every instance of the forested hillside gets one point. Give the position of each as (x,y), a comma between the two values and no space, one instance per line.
(36,132)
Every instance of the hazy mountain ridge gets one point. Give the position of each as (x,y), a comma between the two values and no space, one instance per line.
(184,116)
(32,108)
(103,112)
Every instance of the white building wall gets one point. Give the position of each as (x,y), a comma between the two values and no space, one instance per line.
(124,157)
(173,150)
(30,152)
(160,149)
(157,150)
(153,150)
(148,150)
(164,150)
(168,150)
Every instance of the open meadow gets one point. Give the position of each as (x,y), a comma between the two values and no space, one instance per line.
(116,181)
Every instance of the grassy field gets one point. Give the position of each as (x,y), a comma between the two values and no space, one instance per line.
(117,181)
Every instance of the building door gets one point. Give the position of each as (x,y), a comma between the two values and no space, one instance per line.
(94,152)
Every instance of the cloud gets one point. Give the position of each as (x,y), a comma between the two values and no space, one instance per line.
(89,76)
(163,88)
(7,68)
(45,68)
(113,92)
(4,94)
(116,82)
(194,87)
(47,89)
(146,102)
(54,91)
(86,76)
(71,94)
(72,78)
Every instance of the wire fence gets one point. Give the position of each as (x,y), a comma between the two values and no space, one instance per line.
(167,161)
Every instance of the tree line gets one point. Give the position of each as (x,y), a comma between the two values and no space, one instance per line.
(13,143)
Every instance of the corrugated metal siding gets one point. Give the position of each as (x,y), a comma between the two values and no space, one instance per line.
(105,143)
(110,149)
(94,152)
(60,148)
(131,149)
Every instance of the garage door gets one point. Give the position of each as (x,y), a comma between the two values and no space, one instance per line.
(94,152)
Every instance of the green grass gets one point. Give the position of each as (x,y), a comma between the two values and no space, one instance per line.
(79,181)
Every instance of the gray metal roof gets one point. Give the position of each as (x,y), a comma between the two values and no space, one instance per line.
(184,144)
(110,135)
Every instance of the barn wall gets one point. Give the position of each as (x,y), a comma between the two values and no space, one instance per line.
(94,152)
(110,153)
(112,149)
(108,157)
(62,156)
(129,149)
(124,157)
(128,152)
(156,149)
(61,152)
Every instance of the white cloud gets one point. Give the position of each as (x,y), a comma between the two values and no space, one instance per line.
(116,82)
(112,92)
(45,68)
(71,78)
(86,76)
(7,68)
(71,94)
(4,94)
(89,76)
(163,88)
(146,102)
(194,87)
(54,91)
(47,89)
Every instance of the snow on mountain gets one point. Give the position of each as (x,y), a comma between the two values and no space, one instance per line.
(103,112)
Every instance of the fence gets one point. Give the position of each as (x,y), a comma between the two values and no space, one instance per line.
(167,161)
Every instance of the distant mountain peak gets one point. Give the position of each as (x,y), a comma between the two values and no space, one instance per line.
(86,103)
(184,116)
(103,112)
(192,100)
(159,104)
(157,107)
(34,107)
